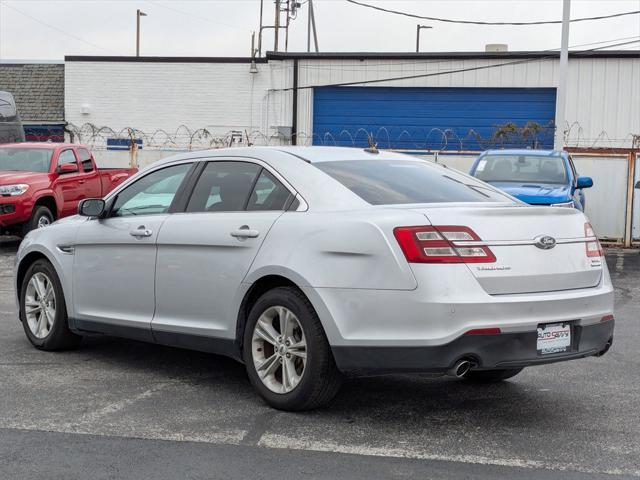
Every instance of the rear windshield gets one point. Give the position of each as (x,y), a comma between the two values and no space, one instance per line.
(521,169)
(25,159)
(390,182)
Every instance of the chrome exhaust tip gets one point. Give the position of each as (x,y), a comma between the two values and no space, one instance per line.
(460,368)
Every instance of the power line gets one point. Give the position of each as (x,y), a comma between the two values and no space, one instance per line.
(603,41)
(616,45)
(473,22)
(70,35)
(435,74)
(198,17)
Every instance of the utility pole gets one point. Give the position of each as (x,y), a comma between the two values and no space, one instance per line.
(286,28)
(277,26)
(139,13)
(311,26)
(418,28)
(561,92)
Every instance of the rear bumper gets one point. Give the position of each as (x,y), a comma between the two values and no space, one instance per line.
(505,350)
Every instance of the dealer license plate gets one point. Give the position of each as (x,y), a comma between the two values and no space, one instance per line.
(554,338)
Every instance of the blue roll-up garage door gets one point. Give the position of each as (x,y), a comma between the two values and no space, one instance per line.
(434,118)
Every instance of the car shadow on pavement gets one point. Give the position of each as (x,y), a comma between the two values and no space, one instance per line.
(395,399)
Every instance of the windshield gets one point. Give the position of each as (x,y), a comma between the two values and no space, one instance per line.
(521,169)
(25,159)
(389,182)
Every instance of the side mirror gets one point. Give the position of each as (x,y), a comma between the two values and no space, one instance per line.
(67,168)
(91,207)
(584,182)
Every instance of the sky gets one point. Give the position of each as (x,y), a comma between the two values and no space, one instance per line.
(51,29)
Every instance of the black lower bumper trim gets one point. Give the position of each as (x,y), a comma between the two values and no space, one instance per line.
(505,350)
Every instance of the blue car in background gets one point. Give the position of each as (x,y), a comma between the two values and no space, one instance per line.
(537,177)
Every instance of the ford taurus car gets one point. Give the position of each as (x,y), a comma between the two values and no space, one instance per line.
(309,263)
(537,177)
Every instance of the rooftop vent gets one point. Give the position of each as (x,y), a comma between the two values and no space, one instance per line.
(496,47)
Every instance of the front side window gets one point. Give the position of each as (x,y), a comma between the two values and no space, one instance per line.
(521,169)
(389,182)
(25,159)
(224,187)
(67,156)
(152,194)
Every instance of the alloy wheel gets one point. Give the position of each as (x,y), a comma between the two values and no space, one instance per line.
(43,221)
(279,349)
(40,305)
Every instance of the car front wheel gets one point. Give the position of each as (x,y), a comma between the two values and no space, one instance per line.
(286,353)
(43,310)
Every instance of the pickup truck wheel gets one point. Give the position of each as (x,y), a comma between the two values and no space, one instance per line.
(43,311)
(40,218)
(286,353)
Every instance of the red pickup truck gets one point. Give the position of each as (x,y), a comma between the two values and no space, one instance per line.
(41,182)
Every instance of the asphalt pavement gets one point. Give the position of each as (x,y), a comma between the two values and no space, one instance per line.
(123,409)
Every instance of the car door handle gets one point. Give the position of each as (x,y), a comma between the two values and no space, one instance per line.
(245,232)
(140,232)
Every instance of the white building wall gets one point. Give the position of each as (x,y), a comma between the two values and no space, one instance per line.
(170,101)
(167,102)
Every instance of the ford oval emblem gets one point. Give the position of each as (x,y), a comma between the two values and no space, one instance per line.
(545,242)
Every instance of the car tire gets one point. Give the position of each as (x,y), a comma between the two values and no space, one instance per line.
(55,333)
(40,217)
(319,379)
(491,376)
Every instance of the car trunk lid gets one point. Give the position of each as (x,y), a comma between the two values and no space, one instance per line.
(516,236)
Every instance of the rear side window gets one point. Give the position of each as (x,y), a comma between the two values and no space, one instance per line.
(85,159)
(389,182)
(224,187)
(268,194)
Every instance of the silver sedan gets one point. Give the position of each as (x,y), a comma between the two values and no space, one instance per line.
(311,263)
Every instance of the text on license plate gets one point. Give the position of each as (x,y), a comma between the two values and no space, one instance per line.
(554,338)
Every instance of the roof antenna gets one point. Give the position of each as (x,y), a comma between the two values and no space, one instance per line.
(373,146)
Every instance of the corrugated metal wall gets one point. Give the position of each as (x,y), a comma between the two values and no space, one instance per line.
(602,103)
(432,118)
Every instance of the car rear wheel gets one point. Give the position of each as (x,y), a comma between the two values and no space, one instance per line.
(40,218)
(286,353)
(43,310)
(491,376)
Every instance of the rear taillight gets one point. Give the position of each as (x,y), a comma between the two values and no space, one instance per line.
(594,249)
(439,244)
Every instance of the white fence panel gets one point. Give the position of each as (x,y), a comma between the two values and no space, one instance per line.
(606,201)
(635,231)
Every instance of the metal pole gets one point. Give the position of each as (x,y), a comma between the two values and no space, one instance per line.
(260,30)
(286,30)
(561,93)
(277,24)
(313,25)
(138,33)
(309,27)
(418,28)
